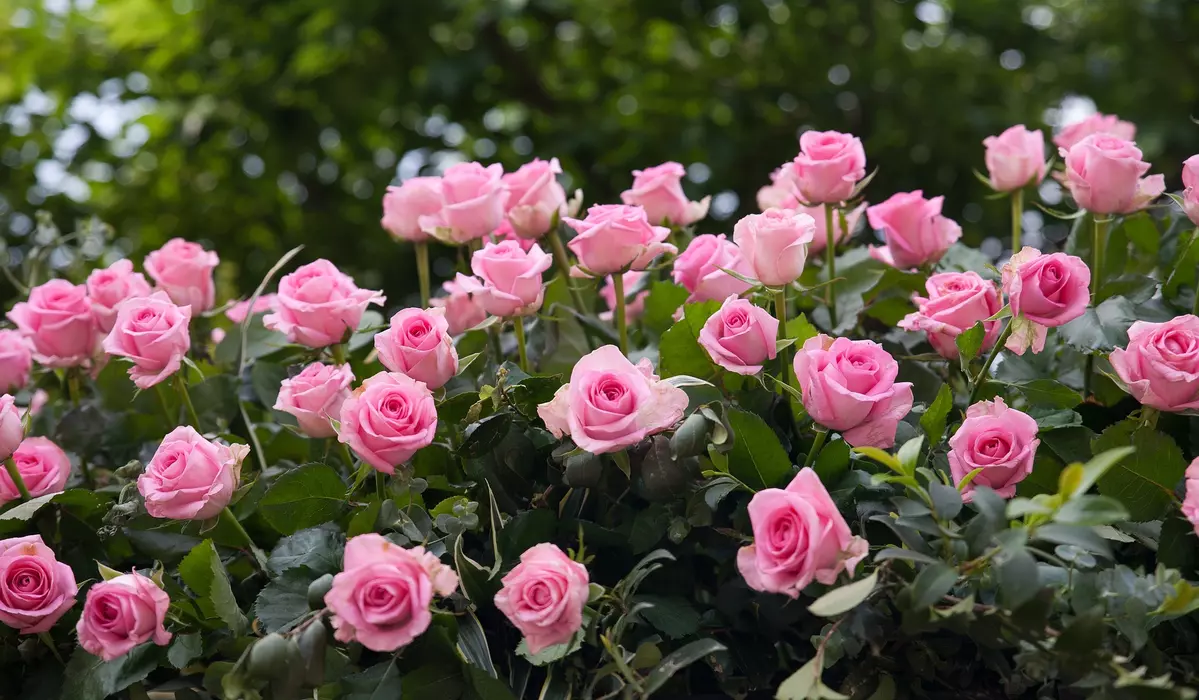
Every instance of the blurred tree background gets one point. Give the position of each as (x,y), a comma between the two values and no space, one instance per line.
(256,125)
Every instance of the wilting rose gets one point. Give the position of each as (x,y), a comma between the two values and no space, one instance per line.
(659,190)
(740,337)
(463,309)
(701,268)
(616,237)
(1104,175)
(418,344)
(775,244)
(121,613)
(16,360)
(999,440)
(1160,365)
(314,397)
(57,319)
(544,595)
(35,588)
(189,477)
(405,204)
(1044,291)
(151,332)
(534,197)
(956,301)
(829,166)
(473,199)
(43,466)
(1095,124)
(511,278)
(914,231)
(633,307)
(183,270)
(107,288)
(318,305)
(1015,158)
(388,419)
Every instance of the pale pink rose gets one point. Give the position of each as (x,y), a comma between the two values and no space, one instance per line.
(506,233)
(418,344)
(152,333)
(740,337)
(1095,124)
(12,429)
(914,231)
(543,596)
(828,167)
(318,305)
(617,237)
(473,199)
(956,301)
(1104,175)
(659,190)
(1044,291)
(783,190)
(183,270)
(1190,192)
(799,537)
(217,336)
(1190,500)
(700,269)
(820,240)
(381,597)
(238,312)
(534,196)
(35,588)
(43,466)
(633,308)
(511,277)
(463,308)
(189,477)
(1000,440)
(58,321)
(387,419)
(314,397)
(610,404)
(404,205)
(16,360)
(36,403)
(107,288)
(1015,158)
(121,613)
(1160,366)
(774,244)
(849,386)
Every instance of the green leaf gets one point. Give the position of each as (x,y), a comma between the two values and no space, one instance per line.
(1091,510)
(805,684)
(472,643)
(947,500)
(1143,233)
(931,584)
(302,498)
(800,329)
(843,599)
(550,654)
(1144,481)
(1084,537)
(89,677)
(318,548)
(379,682)
(673,616)
(184,649)
(1101,328)
(757,457)
(934,419)
(1047,392)
(205,575)
(909,454)
(1017,576)
(284,600)
(679,347)
(482,436)
(833,461)
(664,299)
(970,343)
(28,509)
(1052,419)
(679,659)
(266,378)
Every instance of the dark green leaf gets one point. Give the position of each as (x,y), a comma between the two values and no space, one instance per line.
(673,616)
(678,660)
(284,600)
(484,435)
(266,378)
(679,347)
(379,682)
(970,342)
(184,649)
(663,300)
(472,642)
(1047,392)
(757,457)
(89,677)
(946,500)
(1144,481)
(1091,510)
(205,575)
(832,462)
(318,548)
(303,497)
(1077,535)
(1017,576)
(931,584)
(1102,328)
(934,419)
(1052,419)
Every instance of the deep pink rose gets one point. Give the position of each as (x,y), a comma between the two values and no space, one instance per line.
(1044,291)
(616,237)
(701,268)
(189,477)
(1000,440)
(1160,366)
(659,190)
(1095,124)
(633,307)
(16,360)
(387,419)
(404,205)
(610,404)
(183,270)
(828,166)
(153,334)
(534,196)
(58,320)
(473,199)
(12,429)
(107,288)
(1190,192)
(799,537)
(35,588)
(238,312)
(820,240)
(463,308)
(1190,499)
(43,466)
(1103,174)
(318,305)
(511,277)
(544,595)
(740,337)
(121,613)
(914,231)
(314,397)
(418,344)
(1015,158)
(783,190)
(774,244)
(956,301)
(381,597)
(849,386)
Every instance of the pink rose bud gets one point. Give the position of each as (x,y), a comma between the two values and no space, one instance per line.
(43,466)
(774,244)
(1015,158)
(740,337)
(1190,500)
(1095,124)
(701,269)
(12,429)
(828,166)
(58,320)
(544,595)
(506,233)
(610,404)
(633,307)
(418,344)
(999,440)
(121,613)
(183,270)
(841,234)
(107,288)
(36,588)
(1190,193)
(659,190)
(914,231)
(315,396)
(783,190)
(462,305)
(511,278)
(849,386)
(388,419)
(318,305)
(190,478)
(956,301)
(473,199)
(153,334)
(16,360)
(799,537)
(615,237)
(1103,174)
(238,312)
(403,207)
(1044,291)
(534,196)
(381,597)
(1160,366)
(36,403)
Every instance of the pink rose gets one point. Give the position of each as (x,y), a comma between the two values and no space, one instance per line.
(799,537)
(462,305)
(828,166)
(914,231)
(381,598)
(58,320)
(820,240)
(701,268)
(534,196)
(740,337)
(1190,192)
(1103,174)
(544,595)
(314,397)
(473,199)
(121,613)
(109,287)
(1000,440)
(36,403)
(774,244)
(183,270)
(190,478)
(633,308)
(1015,158)
(616,237)
(35,588)
(403,207)
(610,404)
(506,233)
(238,312)
(43,466)
(956,301)
(152,333)
(318,305)
(783,190)
(418,344)
(659,190)
(849,386)
(12,429)
(1190,501)
(16,360)
(511,278)
(1095,124)
(1044,291)
(1160,366)
(388,419)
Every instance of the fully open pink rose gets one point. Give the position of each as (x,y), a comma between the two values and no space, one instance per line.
(1190,499)
(610,404)
(238,312)
(999,440)
(511,277)
(153,334)
(799,537)
(314,397)
(107,288)
(58,320)
(914,231)
(740,337)
(189,477)
(841,233)
(12,429)
(404,205)
(635,306)
(388,419)
(659,190)
(616,237)
(1104,175)
(534,197)
(828,166)
(35,588)
(956,301)
(463,307)
(1044,291)
(381,598)
(318,305)
(849,386)
(1015,158)
(121,613)
(701,268)
(43,466)
(1190,192)
(183,270)
(418,344)
(473,199)
(1160,366)
(16,360)
(1095,124)
(774,244)
(544,595)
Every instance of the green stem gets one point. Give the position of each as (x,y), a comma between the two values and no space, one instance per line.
(259,557)
(564,267)
(166,408)
(1017,218)
(830,262)
(380,487)
(780,312)
(347,455)
(11,465)
(1097,258)
(422,271)
(1088,371)
(621,322)
(49,642)
(73,386)
(819,443)
(187,400)
(519,324)
(979,378)
(339,354)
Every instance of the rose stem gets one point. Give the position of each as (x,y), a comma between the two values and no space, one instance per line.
(982,373)
(1097,259)
(422,271)
(259,557)
(166,410)
(780,312)
(1017,218)
(621,322)
(339,353)
(518,323)
(816,445)
(564,266)
(380,488)
(830,258)
(11,465)
(187,400)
